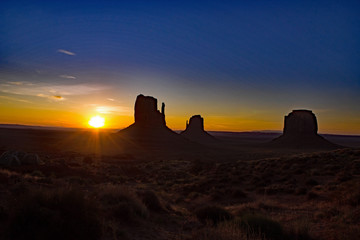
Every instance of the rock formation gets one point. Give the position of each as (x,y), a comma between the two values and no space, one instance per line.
(195,131)
(300,131)
(147,114)
(300,122)
(150,125)
(150,136)
(196,124)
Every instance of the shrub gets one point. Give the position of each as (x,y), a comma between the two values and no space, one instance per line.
(212,214)
(312,195)
(238,193)
(124,203)
(151,201)
(37,173)
(300,191)
(88,160)
(224,231)
(311,182)
(3,214)
(77,180)
(259,224)
(299,230)
(343,176)
(352,198)
(63,214)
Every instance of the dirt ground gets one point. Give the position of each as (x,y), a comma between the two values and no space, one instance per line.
(99,185)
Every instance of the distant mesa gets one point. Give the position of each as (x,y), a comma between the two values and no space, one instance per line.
(301,131)
(300,123)
(195,131)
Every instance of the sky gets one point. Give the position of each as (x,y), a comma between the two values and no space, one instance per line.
(242,65)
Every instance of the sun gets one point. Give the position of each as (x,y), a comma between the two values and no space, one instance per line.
(97,122)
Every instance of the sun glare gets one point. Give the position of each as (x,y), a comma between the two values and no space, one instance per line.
(97,122)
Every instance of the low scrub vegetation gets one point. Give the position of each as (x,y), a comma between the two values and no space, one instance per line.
(60,214)
(212,214)
(106,198)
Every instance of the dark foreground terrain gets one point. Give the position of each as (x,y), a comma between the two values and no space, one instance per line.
(98,185)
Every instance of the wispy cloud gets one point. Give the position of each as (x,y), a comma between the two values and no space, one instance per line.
(112,109)
(67,76)
(114,100)
(18,83)
(58,97)
(51,97)
(108,109)
(46,90)
(14,99)
(38,71)
(66,52)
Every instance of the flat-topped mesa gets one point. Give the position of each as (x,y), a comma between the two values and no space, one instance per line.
(300,122)
(300,132)
(147,113)
(196,124)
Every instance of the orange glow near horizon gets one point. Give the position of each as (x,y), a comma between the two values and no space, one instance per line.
(78,117)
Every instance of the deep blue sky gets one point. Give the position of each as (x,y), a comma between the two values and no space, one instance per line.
(222,59)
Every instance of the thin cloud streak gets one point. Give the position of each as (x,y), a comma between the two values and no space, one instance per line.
(66,52)
(51,90)
(67,76)
(51,97)
(15,99)
(58,97)
(112,109)
(19,83)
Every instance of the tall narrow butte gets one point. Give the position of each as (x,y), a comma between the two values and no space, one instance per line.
(147,113)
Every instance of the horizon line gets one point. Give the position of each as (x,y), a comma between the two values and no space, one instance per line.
(3,125)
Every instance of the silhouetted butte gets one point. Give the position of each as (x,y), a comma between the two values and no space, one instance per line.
(300,131)
(195,131)
(150,127)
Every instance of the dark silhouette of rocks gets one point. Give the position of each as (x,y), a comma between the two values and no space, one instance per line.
(147,114)
(195,131)
(301,123)
(301,131)
(196,124)
(150,125)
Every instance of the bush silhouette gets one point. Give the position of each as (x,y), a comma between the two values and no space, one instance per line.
(123,203)
(63,214)
(212,214)
(258,224)
(151,201)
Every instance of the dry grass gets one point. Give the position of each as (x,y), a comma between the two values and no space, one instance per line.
(122,203)
(46,214)
(225,231)
(307,196)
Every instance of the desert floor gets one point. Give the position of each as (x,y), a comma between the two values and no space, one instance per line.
(98,185)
